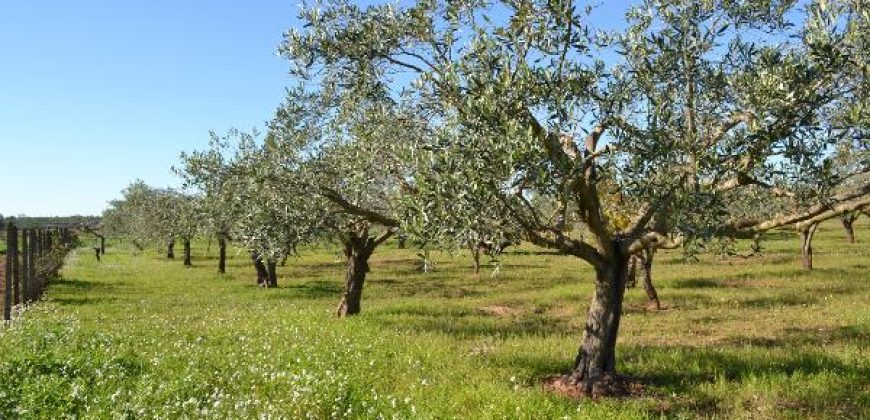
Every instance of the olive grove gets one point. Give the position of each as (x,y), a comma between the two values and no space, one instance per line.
(697,99)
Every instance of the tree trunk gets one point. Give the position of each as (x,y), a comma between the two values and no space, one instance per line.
(272,274)
(222,253)
(170,249)
(187,261)
(595,366)
(475,254)
(807,245)
(357,250)
(262,273)
(631,278)
(651,294)
(848,220)
(102,245)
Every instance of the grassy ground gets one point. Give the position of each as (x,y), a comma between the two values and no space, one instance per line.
(136,335)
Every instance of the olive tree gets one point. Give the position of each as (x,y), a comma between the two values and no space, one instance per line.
(698,99)
(208,172)
(346,158)
(249,197)
(151,215)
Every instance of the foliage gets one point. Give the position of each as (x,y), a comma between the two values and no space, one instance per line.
(153,215)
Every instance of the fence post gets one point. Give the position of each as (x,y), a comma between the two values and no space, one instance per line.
(7,282)
(16,266)
(26,265)
(34,272)
(37,255)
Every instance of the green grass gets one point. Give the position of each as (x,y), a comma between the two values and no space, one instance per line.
(139,336)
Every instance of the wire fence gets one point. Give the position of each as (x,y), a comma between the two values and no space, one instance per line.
(33,257)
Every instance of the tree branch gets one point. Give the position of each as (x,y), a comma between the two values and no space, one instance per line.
(350,208)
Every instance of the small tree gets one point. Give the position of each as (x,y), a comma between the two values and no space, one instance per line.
(347,159)
(209,173)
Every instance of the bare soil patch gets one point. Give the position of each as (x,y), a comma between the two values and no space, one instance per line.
(499,310)
(617,386)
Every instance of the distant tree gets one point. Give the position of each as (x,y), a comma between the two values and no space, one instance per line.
(151,215)
(208,172)
(247,196)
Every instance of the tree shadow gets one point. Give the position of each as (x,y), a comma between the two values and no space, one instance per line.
(315,289)
(799,337)
(466,323)
(697,283)
(80,285)
(780,300)
(81,301)
(677,375)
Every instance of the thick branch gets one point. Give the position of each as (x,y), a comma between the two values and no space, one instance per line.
(384,236)
(350,208)
(853,200)
(654,240)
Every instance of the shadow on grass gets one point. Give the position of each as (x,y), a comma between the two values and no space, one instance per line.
(78,285)
(465,323)
(316,289)
(780,300)
(680,376)
(697,283)
(807,337)
(82,301)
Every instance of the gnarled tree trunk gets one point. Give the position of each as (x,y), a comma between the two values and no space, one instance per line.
(475,254)
(262,273)
(222,253)
(271,274)
(807,233)
(187,261)
(848,219)
(170,249)
(651,294)
(595,366)
(357,250)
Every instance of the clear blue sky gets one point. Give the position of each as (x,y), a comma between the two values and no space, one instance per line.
(96,93)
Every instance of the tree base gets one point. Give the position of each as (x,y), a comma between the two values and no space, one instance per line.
(655,306)
(607,386)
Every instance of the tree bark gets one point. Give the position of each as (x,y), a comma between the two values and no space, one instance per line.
(651,294)
(807,233)
(357,250)
(595,366)
(475,254)
(170,249)
(187,261)
(222,253)
(272,274)
(262,273)
(848,219)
